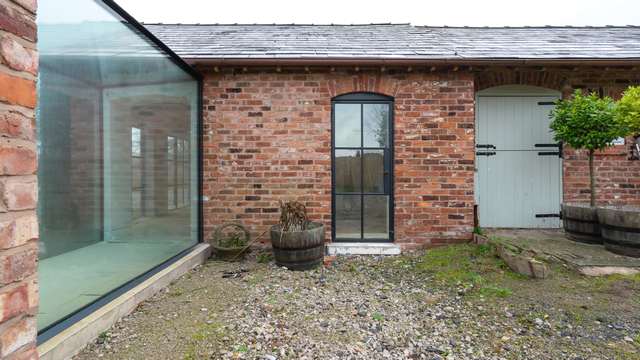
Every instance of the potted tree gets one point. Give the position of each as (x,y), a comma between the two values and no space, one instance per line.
(621,225)
(298,244)
(585,122)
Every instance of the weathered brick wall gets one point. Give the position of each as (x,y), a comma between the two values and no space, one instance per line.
(18,186)
(267,137)
(617,177)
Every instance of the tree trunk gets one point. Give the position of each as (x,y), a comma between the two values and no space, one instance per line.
(592,179)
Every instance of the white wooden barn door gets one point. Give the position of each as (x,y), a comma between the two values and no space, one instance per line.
(518,178)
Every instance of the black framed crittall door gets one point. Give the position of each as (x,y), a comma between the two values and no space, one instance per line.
(362,168)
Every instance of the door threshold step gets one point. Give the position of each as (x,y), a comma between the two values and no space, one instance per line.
(358,248)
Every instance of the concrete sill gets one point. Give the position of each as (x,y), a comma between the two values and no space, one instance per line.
(358,248)
(73,339)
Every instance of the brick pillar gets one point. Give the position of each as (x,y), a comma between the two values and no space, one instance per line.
(18,183)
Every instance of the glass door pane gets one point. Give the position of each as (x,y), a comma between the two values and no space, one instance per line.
(376,217)
(348,216)
(348,125)
(348,171)
(375,125)
(373,174)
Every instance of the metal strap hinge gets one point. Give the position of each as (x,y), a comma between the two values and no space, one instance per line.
(485,153)
(548,215)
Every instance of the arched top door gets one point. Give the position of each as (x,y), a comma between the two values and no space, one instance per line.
(518,90)
(362,153)
(362,96)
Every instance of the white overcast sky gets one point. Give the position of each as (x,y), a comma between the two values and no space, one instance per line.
(417,12)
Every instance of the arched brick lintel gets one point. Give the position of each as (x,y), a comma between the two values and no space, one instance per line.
(545,79)
(365,82)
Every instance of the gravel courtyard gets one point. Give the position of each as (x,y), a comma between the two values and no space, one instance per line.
(458,302)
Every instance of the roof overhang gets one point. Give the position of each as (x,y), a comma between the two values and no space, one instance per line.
(202,61)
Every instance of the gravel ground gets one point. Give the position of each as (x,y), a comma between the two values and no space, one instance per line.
(458,303)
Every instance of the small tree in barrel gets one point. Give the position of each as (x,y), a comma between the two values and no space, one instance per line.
(586,122)
(628,115)
(628,110)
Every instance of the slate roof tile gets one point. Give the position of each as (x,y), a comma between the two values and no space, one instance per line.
(397,41)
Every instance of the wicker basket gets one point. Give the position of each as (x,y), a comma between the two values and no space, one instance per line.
(230,253)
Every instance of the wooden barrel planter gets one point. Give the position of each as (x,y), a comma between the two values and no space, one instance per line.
(621,229)
(580,222)
(298,250)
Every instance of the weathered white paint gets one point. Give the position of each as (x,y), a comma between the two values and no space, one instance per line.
(516,183)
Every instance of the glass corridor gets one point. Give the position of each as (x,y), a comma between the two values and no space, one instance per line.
(117,125)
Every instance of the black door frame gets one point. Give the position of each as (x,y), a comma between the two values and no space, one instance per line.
(365,98)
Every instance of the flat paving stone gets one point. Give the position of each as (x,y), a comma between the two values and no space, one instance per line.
(553,244)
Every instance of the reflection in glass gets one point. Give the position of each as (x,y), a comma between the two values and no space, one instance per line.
(109,99)
(347,125)
(376,125)
(376,217)
(348,169)
(373,177)
(348,221)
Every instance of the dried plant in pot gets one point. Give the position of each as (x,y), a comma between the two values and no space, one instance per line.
(298,244)
(230,241)
(585,122)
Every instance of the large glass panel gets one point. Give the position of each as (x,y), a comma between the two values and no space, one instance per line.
(348,169)
(376,125)
(109,100)
(373,175)
(376,217)
(348,216)
(347,125)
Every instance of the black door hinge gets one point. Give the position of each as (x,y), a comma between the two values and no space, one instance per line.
(548,215)
(485,146)
(549,153)
(485,153)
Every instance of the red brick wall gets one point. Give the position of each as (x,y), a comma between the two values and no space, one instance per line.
(617,177)
(18,186)
(267,136)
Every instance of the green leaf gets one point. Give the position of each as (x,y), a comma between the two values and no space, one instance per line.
(586,122)
(628,110)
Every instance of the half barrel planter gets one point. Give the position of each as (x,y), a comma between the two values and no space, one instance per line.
(298,250)
(621,229)
(580,222)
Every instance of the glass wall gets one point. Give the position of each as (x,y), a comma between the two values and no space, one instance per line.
(117,127)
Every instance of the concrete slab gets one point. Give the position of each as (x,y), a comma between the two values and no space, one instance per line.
(358,248)
(552,245)
(71,340)
(74,279)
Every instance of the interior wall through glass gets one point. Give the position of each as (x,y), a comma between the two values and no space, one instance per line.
(117,127)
